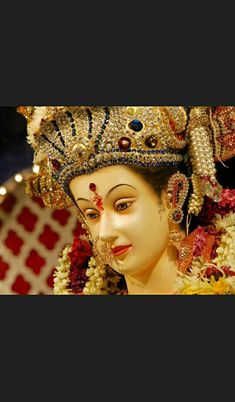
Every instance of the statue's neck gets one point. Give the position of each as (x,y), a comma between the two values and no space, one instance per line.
(160,279)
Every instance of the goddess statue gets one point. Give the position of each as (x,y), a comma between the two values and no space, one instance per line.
(137,178)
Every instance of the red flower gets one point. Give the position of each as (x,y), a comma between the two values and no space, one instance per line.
(228,271)
(212,271)
(228,198)
(199,242)
(78,280)
(223,207)
(80,253)
(217,272)
(79,256)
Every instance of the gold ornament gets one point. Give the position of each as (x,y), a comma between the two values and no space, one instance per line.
(175,237)
(196,198)
(76,139)
(42,185)
(177,190)
(201,153)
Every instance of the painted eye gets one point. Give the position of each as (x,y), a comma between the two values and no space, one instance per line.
(92,215)
(123,206)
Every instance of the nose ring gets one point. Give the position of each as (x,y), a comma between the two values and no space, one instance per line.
(102,251)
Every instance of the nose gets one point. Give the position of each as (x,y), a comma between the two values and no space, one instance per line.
(107,230)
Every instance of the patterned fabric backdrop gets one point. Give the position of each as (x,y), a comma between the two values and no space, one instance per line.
(31,239)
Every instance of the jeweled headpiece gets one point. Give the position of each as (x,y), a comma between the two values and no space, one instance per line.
(75,140)
(71,141)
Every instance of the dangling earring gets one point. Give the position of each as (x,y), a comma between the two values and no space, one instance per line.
(177,190)
(175,237)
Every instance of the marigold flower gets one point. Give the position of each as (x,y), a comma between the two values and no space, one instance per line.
(221,287)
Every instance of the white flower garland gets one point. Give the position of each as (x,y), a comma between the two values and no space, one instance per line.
(96,281)
(61,275)
(226,250)
(100,282)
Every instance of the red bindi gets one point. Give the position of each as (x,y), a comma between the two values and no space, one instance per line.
(92,186)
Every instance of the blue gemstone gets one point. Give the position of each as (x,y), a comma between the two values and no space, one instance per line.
(136,125)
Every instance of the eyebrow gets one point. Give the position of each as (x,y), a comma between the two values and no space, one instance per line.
(109,192)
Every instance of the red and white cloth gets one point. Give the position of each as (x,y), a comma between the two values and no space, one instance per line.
(31,240)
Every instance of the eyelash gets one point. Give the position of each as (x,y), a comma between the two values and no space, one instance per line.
(96,215)
(89,215)
(123,203)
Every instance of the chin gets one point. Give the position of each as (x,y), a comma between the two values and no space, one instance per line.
(126,267)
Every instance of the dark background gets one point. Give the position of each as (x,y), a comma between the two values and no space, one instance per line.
(15,153)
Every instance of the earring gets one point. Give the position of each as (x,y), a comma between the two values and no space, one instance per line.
(177,190)
(175,237)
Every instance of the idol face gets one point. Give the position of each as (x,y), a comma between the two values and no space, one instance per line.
(123,210)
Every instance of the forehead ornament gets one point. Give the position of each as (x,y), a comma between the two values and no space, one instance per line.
(97,199)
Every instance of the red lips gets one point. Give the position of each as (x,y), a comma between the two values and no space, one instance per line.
(118,250)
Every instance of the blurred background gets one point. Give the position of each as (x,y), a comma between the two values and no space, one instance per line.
(31,236)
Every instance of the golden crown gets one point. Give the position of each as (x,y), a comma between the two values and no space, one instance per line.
(76,139)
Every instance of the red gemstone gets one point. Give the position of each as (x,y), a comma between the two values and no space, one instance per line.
(151,141)
(56,164)
(172,124)
(92,186)
(124,143)
(178,216)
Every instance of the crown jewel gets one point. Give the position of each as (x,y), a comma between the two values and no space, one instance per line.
(78,139)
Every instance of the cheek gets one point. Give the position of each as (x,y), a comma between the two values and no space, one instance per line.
(146,226)
(94,229)
(149,243)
